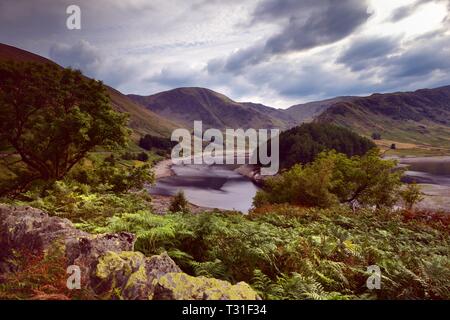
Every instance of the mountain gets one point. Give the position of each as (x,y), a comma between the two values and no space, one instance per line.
(307,112)
(141,120)
(184,105)
(421,117)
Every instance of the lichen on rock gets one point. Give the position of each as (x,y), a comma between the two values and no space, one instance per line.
(180,286)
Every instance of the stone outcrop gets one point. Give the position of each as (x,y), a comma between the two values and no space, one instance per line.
(180,286)
(109,266)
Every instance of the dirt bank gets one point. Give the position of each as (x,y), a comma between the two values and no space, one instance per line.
(163,169)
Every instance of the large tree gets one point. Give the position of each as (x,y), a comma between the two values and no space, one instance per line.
(51,117)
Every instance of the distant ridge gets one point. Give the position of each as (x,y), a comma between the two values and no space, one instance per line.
(184,105)
(419,117)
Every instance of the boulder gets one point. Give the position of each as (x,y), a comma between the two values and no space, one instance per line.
(180,286)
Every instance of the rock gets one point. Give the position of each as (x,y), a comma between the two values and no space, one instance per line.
(32,230)
(109,266)
(129,275)
(180,286)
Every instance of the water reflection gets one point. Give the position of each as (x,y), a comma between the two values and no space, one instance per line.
(212,186)
(430,171)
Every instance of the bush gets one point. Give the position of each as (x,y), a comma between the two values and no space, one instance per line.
(411,195)
(179,203)
(140,156)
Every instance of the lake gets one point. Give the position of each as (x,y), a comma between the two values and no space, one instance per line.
(211,186)
(429,170)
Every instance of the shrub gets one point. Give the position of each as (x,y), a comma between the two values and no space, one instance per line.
(179,203)
(411,195)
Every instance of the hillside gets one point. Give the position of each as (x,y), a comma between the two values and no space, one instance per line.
(421,117)
(184,105)
(142,121)
(307,112)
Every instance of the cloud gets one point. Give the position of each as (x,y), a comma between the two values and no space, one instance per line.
(81,55)
(269,51)
(305,25)
(420,60)
(407,10)
(363,53)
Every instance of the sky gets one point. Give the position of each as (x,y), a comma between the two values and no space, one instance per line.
(275,52)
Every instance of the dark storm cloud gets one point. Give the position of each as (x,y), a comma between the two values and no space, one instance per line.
(312,23)
(304,25)
(365,52)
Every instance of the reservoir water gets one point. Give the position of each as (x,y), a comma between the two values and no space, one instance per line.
(212,186)
(432,170)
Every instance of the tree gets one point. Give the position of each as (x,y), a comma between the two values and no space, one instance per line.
(52,117)
(142,156)
(332,178)
(376,136)
(411,195)
(149,142)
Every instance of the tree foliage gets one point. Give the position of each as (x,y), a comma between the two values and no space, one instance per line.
(52,117)
(335,178)
(149,142)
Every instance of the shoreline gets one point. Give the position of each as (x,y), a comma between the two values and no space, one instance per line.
(163,169)
(436,197)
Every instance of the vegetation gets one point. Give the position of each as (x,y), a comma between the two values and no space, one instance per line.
(149,142)
(335,178)
(179,203)
(140,156)
(50,118)
(289,252)
(376,136)
(39,277)
(411,195)
(302,144)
